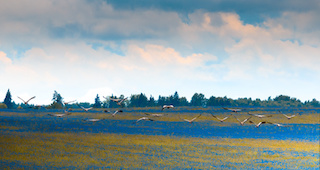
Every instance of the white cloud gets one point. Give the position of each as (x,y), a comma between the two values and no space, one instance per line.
(159,51)
(92,94)
(4,59)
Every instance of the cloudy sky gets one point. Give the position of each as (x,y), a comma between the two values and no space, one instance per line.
(232,48)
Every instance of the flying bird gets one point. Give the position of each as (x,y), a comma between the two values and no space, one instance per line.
(233,110)
(259,116)
(221,120)
(278,124)
(85,109)
(69,102)
(92,120)
(113,114)
(26,102)
(257,125)
(167,107)
(244,121)
(143,118)
(191,120)
(66,112)
(58,114)
(288,117)
(118,101)
(154,115)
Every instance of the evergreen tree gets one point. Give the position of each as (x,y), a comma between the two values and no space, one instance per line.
(151,102)
(138,100)
(161,101)
(198,100)
(175,99)
(97,102)
(183,101)
(57,97)
(7,100)
(57,101)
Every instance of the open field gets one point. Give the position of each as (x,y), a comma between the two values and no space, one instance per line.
(34,140)
(121,151)
(303,115)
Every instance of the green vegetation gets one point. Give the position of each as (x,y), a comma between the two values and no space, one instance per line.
(8,101)
(3,106)
(97,102)
(119,151)
(197,100)
(57,101)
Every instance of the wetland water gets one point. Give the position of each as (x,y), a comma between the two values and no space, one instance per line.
(202,129)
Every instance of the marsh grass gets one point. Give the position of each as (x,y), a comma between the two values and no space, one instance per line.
(122,151)
(133,114)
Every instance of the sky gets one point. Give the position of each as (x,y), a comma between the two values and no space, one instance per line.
(233,48)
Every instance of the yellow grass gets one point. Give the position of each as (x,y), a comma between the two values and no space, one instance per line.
(84,150)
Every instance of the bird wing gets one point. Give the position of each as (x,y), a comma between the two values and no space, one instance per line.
(214,116)
(245,120)
(182,119)
(123,99)
(30,99)
(115,113)
(224,118)
(21,99)
(196,117)
(82,107)
(237,119)
(115,100)
(69,102)
(142,118)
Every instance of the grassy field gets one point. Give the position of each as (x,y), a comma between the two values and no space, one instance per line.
(121,151)
(85,150)
(306,117)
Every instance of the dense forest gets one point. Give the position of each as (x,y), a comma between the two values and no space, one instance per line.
(141,100)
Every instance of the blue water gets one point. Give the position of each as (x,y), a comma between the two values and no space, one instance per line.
(203,129)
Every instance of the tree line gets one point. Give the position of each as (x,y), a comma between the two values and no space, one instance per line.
(197,100)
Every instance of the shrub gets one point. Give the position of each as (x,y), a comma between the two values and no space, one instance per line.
(3,106)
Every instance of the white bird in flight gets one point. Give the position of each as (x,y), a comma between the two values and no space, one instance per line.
(92,120)
(144,118)
(66,112)
(278,124)
(259,116)
(167,107)
(244,121)
(113,114)
(154,115)
(233,110)
(85,109)
(118,101)
(26,102)
(69,102)
(221,120)
(288,117)
(191,120)
(257,125)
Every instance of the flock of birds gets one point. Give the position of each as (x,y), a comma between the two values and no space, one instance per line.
(150,117)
